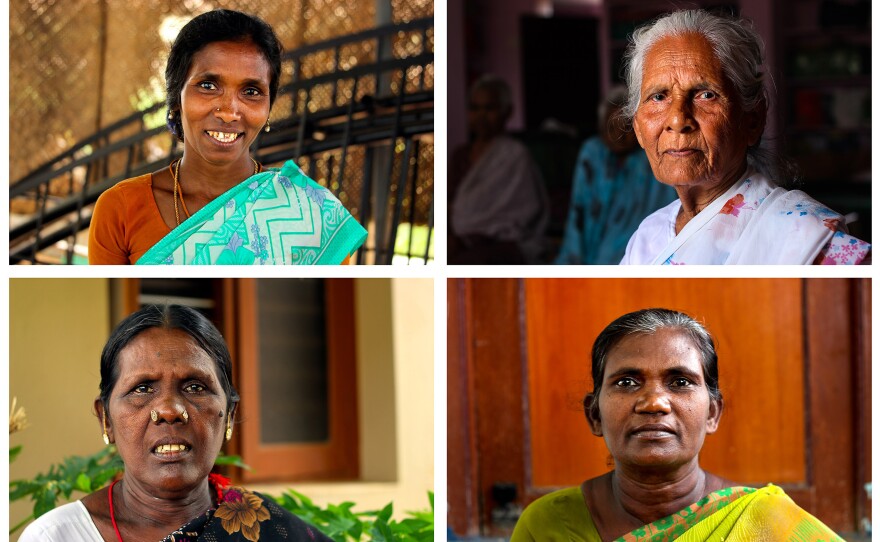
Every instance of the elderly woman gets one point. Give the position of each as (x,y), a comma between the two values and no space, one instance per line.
(498,208)
(698,104)
(217,204)
(655,398)
(167,402)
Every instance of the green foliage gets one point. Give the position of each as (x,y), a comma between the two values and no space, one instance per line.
(77,473)
(340,523)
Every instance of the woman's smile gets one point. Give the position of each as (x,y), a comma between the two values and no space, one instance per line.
(226,100)
(224,138)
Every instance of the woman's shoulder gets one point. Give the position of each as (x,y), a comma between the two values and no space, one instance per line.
(133,185)
(562,513)
(129,192)
(67,523)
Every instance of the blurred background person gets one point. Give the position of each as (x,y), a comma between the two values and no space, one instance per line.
(498,205)
(612,189)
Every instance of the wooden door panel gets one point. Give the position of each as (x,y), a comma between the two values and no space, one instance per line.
(758,327)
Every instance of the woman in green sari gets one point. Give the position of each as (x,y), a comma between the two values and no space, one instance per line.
(655,397)
(217,205)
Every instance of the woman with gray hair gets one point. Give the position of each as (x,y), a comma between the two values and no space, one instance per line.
(655,398)
(698,104)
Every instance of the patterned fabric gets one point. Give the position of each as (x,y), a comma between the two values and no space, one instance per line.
(278,216)
(735,514)
(609,198)
(754,222)
(672,527)
(245,516)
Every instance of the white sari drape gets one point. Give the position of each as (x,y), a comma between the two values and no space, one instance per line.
(754,222)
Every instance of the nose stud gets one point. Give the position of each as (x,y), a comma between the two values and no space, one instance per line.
(154,415)
(185,415)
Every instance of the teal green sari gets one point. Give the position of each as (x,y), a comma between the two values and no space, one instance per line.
(275,217)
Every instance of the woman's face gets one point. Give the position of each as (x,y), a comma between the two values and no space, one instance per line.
(654,406)
(689,119)
(166,371)
(486,115)
(225,101)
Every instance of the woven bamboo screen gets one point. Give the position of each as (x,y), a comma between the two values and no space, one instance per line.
(79,65)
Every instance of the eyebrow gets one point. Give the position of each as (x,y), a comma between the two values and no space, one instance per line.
(674,371)
(212,75)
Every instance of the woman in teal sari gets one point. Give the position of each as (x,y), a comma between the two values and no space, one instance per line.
(655,398)
(216,204)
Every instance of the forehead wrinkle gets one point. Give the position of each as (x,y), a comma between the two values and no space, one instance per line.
(697,55)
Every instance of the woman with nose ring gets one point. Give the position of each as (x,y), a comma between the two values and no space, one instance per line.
(655,398)
(168,404)
(217,204)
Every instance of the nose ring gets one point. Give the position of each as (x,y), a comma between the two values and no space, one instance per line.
(154,415)
(185,415)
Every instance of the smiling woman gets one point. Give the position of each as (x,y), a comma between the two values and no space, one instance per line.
(655,398)
(167,402)
(217,204)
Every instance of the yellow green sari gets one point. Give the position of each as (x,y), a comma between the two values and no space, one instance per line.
(735,514)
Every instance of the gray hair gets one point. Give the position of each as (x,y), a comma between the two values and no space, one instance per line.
(740,51)
(649,321)
(497,85)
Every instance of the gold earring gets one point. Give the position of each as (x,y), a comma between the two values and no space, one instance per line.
(185,415)
(154,415)
(267,125)
(229,428)
(104,423)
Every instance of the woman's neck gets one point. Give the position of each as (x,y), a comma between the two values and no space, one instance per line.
(649,497)
(696,197)
(137,509)
(209,181)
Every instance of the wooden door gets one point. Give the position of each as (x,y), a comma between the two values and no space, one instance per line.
(793,357)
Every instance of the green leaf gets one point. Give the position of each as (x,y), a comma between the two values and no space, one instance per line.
(45,502)
(232,460)
(13,453)
(23,488)
(385,514)
(84,483)
(381,531)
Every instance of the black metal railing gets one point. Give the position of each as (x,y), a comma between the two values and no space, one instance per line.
(363,128)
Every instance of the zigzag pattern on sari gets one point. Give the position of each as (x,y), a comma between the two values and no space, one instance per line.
(275,217)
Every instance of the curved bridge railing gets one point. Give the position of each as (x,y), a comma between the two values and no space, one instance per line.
(355,112)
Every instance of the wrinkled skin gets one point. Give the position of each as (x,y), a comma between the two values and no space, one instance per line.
(690,121)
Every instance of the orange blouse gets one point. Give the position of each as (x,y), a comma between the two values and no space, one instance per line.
(126,223)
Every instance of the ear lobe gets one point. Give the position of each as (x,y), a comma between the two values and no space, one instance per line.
(593,416)
(716,406)
(102,422)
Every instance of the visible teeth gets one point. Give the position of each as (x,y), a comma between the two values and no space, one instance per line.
(168,448)
(223,136)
